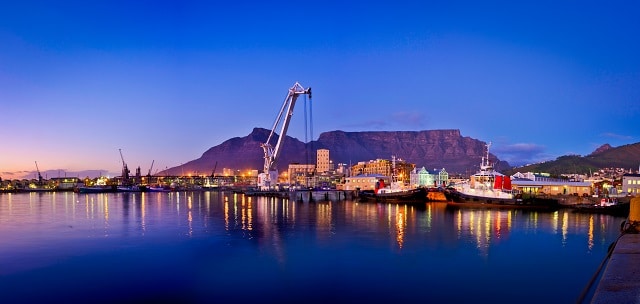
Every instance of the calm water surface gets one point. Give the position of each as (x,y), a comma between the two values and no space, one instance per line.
(217,247)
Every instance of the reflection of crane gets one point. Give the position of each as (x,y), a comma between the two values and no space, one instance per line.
(271,154)
(39,176)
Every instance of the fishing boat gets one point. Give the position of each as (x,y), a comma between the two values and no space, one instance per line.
(489,188)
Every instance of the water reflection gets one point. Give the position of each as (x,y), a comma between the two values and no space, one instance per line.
(271,221)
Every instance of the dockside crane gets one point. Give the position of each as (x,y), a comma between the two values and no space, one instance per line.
(270,174)
(149,174)
(39,175)
(125,169)
(213,173)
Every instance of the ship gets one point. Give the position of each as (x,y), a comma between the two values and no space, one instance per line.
(489,188)
(396,191)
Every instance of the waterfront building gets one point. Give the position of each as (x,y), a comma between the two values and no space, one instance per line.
(631,184)
(66,183)
(384,167)
(363,182)
(537,184)
(423,178)
(322,160)
(300,174)
(343,169)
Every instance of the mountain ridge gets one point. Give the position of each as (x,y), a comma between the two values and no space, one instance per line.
(432,149)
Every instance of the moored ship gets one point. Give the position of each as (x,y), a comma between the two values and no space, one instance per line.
(490,188)
(395,192)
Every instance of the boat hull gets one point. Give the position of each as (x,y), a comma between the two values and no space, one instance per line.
(98,189)
(459,199)
(407,196)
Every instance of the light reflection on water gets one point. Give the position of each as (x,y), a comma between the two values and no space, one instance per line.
(183,241)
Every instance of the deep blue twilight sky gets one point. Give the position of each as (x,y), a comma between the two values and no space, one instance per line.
(165,81)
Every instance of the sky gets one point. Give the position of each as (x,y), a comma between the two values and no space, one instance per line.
(163,81)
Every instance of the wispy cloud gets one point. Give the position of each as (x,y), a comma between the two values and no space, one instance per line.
(368,125)
(413,119)
(55,173)
(521,153)
(394,120)
(616,136)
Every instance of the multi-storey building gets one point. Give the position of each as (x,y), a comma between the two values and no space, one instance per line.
(384,167)
(531,183)
(631,184)
(322,160)
(300,174)
(363,182)
(423,178)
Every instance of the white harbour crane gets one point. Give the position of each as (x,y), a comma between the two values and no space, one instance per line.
(269,177)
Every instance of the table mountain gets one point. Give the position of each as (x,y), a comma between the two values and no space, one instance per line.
(432,149)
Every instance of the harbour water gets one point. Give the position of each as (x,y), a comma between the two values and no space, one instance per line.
(218,247)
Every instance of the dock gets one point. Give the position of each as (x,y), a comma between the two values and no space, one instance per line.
(620,281)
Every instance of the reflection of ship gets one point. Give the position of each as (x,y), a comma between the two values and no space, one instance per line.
(490,188)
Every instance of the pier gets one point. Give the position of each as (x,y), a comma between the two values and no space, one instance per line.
(620,281)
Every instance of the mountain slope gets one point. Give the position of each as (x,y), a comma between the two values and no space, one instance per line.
(433,149)
(627,157)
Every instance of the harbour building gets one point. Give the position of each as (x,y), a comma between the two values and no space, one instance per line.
(384,167)
(365,174)
(363,182)
(301,174)
(423,178)
(322,160)
(631,184)
(535,184)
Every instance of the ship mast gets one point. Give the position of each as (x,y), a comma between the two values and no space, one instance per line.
(485,165)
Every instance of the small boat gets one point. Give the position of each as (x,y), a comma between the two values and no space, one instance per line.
(609,206)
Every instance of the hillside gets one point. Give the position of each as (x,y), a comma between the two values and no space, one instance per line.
(627,156)
(432,149)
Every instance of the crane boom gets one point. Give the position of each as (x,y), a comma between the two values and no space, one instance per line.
(121,157)
(284,116)
(149,174)
(39,175)
(125,170)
